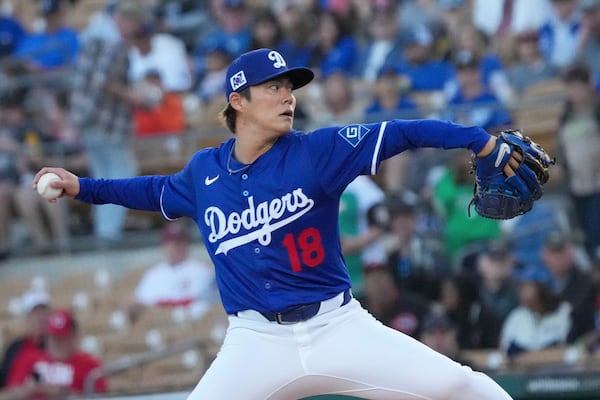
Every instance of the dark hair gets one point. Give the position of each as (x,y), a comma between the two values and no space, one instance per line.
(549,301)
(578,73)
(268,17)
(229,116)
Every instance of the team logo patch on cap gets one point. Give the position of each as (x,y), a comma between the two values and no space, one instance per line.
(353,133)
(238,80)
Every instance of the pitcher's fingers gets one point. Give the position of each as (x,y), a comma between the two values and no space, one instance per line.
(514,164)
(508,170)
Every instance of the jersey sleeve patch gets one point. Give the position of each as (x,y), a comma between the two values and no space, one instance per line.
(353,134)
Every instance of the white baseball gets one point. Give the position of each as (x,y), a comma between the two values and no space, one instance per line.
(44,188)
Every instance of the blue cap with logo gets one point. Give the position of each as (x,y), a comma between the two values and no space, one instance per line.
(258,66)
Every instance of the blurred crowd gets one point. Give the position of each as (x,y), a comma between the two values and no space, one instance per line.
(418,258)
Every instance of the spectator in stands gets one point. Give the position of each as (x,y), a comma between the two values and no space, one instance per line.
(398,309)
(212,83)
(391,99)
(529,66)
(501,18)
(57,46)
(47,224)
(383,48)
(338,105)
(472,41)
(473,103)
(414,14)
(559,35)
(458,300)
(36,308)
(299,21)
(541,320)
(425,71)
(462,231)
(266,32)
(528,232)
(101,104)
(362,228)
(335,47)
(579,152)
(156,51)
(162,111)
(177,280)
(588,47)
(497,291)
(417,258)
(439,333)
(571,283)
(11,141)
(60,371)
(12,33)
(186,19)
(232,32)
(101,25)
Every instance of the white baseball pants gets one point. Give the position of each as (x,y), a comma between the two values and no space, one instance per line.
(343,351)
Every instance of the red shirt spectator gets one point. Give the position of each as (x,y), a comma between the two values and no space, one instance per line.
(161,112)
(35,304)
(62,369)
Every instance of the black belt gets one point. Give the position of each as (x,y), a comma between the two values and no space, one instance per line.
(301,313)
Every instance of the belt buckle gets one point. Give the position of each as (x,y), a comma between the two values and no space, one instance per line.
(281,321)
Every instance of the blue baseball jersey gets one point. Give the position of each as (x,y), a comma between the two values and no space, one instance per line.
(271,227)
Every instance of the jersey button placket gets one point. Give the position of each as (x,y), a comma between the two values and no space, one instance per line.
(244,177)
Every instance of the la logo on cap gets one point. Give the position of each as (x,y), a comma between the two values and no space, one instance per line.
(238,80)
(279,62)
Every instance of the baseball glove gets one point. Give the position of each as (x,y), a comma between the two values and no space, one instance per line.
(500,197)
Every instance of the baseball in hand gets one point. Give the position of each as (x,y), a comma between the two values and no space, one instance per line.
(44,188)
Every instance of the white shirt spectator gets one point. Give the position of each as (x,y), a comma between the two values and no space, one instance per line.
(526,15)
(530,331)
(168,57)
(177,285)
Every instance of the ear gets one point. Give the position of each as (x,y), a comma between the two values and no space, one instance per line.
(236,101)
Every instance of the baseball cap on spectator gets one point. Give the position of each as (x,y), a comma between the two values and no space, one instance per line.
(450,4)
(436,321)
(466,59)
(498,249)
(174,232)
(134,9)
(50,6)
(61,323)
(404,203)
(234,4)
(34,298)
(557,241)
(419,36)
(537,275)
(589,5)
(258,66)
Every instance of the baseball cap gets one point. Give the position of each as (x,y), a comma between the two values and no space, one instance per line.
(61,323)
(466,59)
(258,66)
(557,240)
(134,9)
(419,36)
(50,6)
(403,203)
(589,5)
(498,249)
(174,232)
(34,298)
(450,4)
(436,321)
(234,3)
